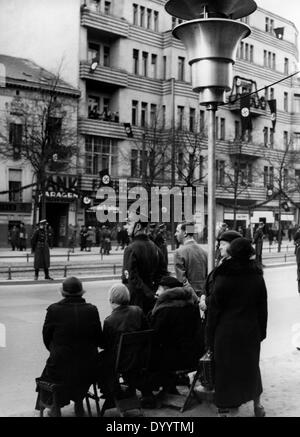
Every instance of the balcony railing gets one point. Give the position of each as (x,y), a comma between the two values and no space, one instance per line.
(106,24)
(15,207)
(258,106)
(245,149)
(102,128)
(106,75)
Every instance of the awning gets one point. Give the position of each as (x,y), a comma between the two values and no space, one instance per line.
(230,216)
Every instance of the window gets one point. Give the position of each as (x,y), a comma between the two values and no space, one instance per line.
(247,52)
(93,52)
(135,56)
(268,176)
(220,172)
(265,58)
(237,130)
(164,68)
(241,50)
(296,142)
(274,61)
(272,93)
(106,56)
(297,103)
(15,183)
(266,136)
(271,137)
(202,120)
(271,25)
(251,53)
(142,16)
(180,115)
(286,66)
(135,14)
(149,18)
(153,115)
(192,119)
(54,125)
(181,68)
(100,154)
(156,21)
(15,139)
(144,114)
(107,8)
(154,66)
(163,116)
(222,129)
(285,139)
(134,113)
(145,64)
(243,173)
(286,102)
(267,24)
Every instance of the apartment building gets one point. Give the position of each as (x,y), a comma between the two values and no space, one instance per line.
(130,70)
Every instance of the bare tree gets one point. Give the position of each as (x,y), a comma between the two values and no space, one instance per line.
(45,136)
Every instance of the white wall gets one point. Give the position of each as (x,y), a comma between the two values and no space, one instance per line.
(45,31)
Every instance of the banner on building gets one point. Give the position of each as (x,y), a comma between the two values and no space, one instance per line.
(273,109)
(245,114)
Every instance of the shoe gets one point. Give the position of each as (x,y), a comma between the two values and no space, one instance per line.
(49,278)
(259,411)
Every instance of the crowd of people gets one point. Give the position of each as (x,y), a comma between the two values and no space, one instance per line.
(223,311)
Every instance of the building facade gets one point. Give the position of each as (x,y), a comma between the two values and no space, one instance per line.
(130,70)
(24,97)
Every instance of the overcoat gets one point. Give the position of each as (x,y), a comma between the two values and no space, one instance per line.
(236,325)
(40,247)
(177,324)
(72,333)
(143,267)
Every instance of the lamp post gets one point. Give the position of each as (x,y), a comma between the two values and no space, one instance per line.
(211,38)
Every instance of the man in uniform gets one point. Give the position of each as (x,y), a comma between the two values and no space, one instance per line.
(40,247)
(258,241)
(143,264)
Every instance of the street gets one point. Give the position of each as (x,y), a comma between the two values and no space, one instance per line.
(22,311)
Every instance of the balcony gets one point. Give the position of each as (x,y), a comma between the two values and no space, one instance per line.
(258,106)
(15,207)
(105,75)
(245,149)
(102,128)
(250,194)
(106,24)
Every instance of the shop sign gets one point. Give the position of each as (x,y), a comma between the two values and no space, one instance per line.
(61,195)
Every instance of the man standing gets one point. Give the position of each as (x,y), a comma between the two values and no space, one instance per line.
(143,265)
(40,247)
(190,259)
(258,241)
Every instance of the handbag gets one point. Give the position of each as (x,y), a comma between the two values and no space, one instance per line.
(207,369)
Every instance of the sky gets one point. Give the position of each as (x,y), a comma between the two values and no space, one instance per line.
(289,9)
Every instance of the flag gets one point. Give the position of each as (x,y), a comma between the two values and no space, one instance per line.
(273,109)
(105,179)
(128,130)
(279,31)
(245,113)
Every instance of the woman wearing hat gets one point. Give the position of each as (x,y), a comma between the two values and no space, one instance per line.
(236,325)
(72,333)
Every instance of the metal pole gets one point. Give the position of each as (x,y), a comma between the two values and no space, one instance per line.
(211,185)
(173,160)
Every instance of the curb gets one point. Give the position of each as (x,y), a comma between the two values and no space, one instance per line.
(100,278)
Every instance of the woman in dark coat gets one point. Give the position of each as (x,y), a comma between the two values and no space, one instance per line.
(236,325)
(177,324)
(72,333)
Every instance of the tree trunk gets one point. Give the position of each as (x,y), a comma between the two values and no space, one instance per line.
(279,225)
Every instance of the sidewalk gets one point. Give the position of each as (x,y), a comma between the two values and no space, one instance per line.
(281,396)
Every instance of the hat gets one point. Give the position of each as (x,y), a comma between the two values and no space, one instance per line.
(42,222)
(72,286)
(170,281)
(229,236)
(241,248)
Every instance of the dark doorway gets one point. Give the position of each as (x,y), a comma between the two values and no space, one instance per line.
(57,217)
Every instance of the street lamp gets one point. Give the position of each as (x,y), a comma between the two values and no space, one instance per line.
(211,38)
